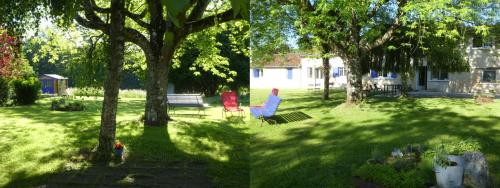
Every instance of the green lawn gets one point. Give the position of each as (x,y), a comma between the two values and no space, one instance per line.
(324,150)
(36,142)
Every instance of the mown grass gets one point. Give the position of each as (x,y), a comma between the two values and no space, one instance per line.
(36,142)
(324,151)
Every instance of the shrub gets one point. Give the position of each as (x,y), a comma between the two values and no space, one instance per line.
(99,92)
(459,148)
(132,93)
(385,175)
(88,92)
(4,91)
(26,90)
(63,105)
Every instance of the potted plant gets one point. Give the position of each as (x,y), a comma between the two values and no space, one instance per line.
(119,147)
(449,169)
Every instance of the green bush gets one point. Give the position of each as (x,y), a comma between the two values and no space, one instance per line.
(26,90)
(4,91)
(459,148)
(385,175)
(63,105)
(88,92)
(132,93)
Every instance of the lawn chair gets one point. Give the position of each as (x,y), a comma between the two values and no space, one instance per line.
(269,109)
(275,91)
(230,102)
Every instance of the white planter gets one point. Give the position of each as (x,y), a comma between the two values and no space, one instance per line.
(451,176)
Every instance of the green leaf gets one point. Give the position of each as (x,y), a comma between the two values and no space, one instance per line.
(241,7)
(174,8)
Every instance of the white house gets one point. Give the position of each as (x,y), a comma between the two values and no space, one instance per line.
(294,71)
(299,71)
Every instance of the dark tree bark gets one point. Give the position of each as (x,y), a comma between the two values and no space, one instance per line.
(405,73)
(354,80)
(112,82)
(326,71)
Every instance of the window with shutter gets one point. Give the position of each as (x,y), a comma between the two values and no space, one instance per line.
(289,73)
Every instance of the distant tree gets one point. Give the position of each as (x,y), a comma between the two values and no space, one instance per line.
(234,74)
(8,53)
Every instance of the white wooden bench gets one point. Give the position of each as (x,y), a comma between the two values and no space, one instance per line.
(185,100)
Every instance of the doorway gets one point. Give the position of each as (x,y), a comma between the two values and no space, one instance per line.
(422,78)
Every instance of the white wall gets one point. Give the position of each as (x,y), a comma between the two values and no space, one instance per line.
(469,82)
(308,82)
(276,78)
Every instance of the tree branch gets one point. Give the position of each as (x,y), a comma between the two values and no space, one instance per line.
(198,10)
(134,36)
(93,21)
(156,13)
(382,39)
(199,25)
(94,6)
(138,18)
(92,25)
(366,47)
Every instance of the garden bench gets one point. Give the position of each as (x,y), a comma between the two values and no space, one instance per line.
(185,100)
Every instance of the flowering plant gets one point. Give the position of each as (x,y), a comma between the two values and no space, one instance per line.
(119,146)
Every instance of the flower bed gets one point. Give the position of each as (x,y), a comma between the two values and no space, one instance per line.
(414,167)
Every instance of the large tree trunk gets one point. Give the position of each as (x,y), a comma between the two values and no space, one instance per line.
(404,84)
(112,82)
(156,109)
(155,112)
(326,73)
(354,79)
(159,63)
(405,74)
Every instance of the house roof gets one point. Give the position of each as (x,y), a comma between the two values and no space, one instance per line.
(279,60)
(55,76)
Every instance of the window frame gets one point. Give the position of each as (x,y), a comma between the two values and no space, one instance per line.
(340,71)
(486,42)
(258,73)
(494,80)
(310,72)
(440,75)
(318,73)
(289,72)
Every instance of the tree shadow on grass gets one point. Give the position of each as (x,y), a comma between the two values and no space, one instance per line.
(152,158)
(325,152)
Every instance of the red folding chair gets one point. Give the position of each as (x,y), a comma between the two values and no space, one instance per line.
(230,102)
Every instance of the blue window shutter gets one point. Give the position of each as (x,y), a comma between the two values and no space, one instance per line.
(335,71)
(374,74)
(290,73)
(255,73)
(394,75)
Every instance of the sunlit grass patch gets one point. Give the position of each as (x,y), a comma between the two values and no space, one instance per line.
(324,150)
(36,142)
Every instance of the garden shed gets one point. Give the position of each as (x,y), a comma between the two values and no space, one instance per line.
(53,84)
